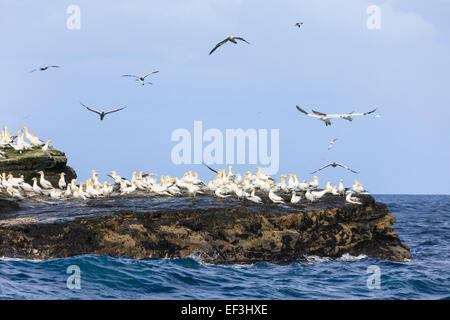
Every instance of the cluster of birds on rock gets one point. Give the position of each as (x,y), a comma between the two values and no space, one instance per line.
(7,140)
(257,188)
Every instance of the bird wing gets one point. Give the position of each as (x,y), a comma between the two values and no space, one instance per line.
(242,39)
(114,110)
(130,75)
(209,167)
(150,74)
(90,109)
(218,45)
(361,114)
(301,110)
(53,67)
(33,70)
(345,167)
(327,165)
(319,113)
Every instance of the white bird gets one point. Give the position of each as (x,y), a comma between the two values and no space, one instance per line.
(45,147)
(331,144)
(350,199)
(345,116)
(341,188)
(55,194)
(309,196)
(228,38)
(295,198)
(44,183)
(14,193)
(274,197)
(315,183)
(36,188)
(254,198)
(62,181)
(323,118)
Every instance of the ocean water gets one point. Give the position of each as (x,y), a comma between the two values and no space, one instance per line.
(422,223)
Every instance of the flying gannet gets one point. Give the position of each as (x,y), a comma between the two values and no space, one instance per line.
(228,38)
(102,114)
(345,116)
(331,144)
(334,165)
(43,68)
(140,78)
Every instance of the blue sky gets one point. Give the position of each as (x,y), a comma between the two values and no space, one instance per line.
(333,63)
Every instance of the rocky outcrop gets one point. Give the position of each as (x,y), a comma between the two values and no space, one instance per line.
(218,236)
(30,162)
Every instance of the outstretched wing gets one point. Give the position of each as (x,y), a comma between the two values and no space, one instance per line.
(242,39)
(218,45)
(53,66)
(114,110)
(90,109)
(130,75)
(150,74)
(327,165)
(209,167)
(319,113)
(345,167)
(301,110)
(369,112)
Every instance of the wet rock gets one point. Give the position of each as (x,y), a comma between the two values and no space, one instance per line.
(215,235)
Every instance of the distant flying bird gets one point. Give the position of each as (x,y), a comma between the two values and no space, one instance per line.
(323,118)
(331,144)
(140,78)
(228,38)
(334,165)
(102,114)
(299,24)
(43,68)
(346,116)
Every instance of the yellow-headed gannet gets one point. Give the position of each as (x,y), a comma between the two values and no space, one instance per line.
(44,183)
(350,199)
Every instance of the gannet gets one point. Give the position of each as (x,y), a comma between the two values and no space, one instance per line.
(341,188)
(254,198)
(62,181)
(44,183)
(334,191)
(43,68)
(274,197)
(325,119)
(358,188)
(319,194)
(345,116)
(331,144)
(36,188)
(295,198)
(315,183)
(350,199)
(299,24)
(68,192)
(45,147)
(303,186)
(309,196)
(102,114)
(222,192)
(55,194)
(140,78)
(35,141)
(14,193)
(334,165)
(228,38)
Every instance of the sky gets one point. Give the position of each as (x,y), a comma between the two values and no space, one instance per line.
(333,64)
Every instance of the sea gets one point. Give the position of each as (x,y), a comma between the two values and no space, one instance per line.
(422,222)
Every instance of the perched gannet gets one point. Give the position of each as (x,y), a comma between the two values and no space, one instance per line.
(274,197)
(303,186)
(222,192)
(315,183)
(228,38)
(331,144)
(141,78)
(358,188)
(341,188)
(334,165)
(36,188)
(325,119)
(14,193)
(295,198)
(345,116)
(43,68)
(62,181)
(254,198)
(299,24)
(334,191)
(309,196)
(68,192)
(55,194)
(350,199)
(45,147)
(102,114)
(44,183)
(319,194)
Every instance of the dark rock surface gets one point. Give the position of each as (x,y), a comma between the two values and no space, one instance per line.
(30,162)
(242,234)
